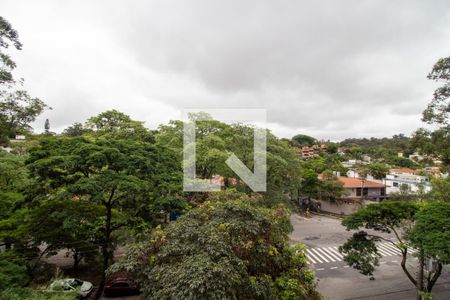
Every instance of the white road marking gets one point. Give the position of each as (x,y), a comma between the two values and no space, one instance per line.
(337,251)
(320,269)
(389,249)
(318,254)
(384,253)
(315,257)
(326,254)
(309,258)
(332,254)
(332,268)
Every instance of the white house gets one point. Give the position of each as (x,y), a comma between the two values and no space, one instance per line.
(414,182)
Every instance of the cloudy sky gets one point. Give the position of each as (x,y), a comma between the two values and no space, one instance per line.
(330,69)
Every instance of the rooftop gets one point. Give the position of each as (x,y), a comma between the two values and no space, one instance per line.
(357,183)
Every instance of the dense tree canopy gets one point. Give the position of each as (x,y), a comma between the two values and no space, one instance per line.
(419,226)
(223,249)
(17,110)
(117,178)
(437,142)
(303,140)
(8,37)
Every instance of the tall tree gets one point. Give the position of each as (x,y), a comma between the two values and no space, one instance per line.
(120,176)
(115,124)
(47,126)
(17,110)
(408,222)
(303,140)
(227,248)
(76,129)
(8,37)
(437,142)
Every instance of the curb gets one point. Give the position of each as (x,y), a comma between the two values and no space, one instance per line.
(328,215)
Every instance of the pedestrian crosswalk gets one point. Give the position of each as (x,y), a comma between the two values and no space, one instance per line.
(332,254)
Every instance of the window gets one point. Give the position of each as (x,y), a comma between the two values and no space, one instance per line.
(395,184)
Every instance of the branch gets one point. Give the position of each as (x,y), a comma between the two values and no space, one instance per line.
(382,238)
(396,234)
(405,270)
(434,278)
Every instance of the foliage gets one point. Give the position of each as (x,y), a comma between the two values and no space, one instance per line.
(303,140)
(29,294)
(8,37)
(117,125)
(420,226)
(13,271)
(215,141)
(17,111)
(361,253)
(227,248)
(378,170)
(440,189)
(401,162)
(76,129)
(111,183)
(437,111)
(431,232)
(437,142)
(378,147)
(330,188)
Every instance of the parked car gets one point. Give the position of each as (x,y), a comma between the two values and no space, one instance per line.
(84,288)
(120,286)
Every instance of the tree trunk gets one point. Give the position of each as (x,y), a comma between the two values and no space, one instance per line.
(106,244)
(76,260)
(432,281)
(420,275)
(405,270)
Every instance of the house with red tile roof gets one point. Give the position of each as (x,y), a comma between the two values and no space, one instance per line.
(362,188)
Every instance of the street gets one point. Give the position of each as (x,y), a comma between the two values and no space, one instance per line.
(337,281)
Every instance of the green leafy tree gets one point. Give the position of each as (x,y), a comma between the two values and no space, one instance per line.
(330,187)
(66,224)
(440,189)
(437,111)
(409,222)
(215,141)
(115,124)
(378,170)
(76,129)
(8,37)
(120,176)
(13,271)
(227,248)
(13,182)
(303,140)
(437,142)
(17,111)
(431,236)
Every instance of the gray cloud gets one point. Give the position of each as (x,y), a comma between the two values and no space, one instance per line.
(332,69)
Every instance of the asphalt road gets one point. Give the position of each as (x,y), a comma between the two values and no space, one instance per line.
(336,281)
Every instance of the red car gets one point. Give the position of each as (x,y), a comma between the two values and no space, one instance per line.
(120,286)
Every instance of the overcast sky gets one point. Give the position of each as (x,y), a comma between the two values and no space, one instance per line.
(330,69)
